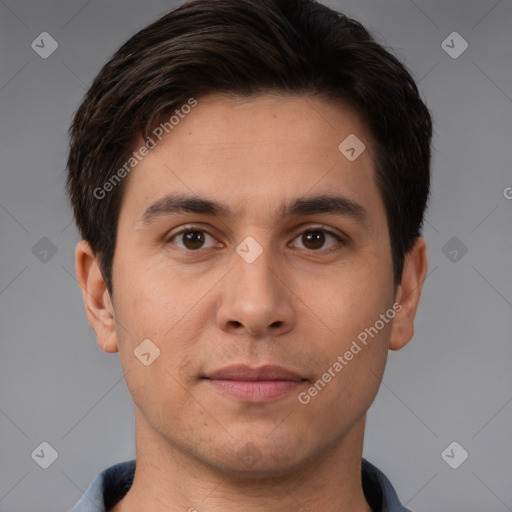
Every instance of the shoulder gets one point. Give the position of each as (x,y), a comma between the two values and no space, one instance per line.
(378,490)
(107,488)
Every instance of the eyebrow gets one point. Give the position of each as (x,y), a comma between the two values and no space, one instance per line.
(309,205)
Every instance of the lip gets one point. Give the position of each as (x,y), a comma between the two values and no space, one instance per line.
(261,384)
(247,373)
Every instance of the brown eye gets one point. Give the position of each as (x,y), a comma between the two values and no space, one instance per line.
(191,239)
(315,239)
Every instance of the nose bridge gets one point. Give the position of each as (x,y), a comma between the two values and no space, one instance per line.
(255,298)
(258,276)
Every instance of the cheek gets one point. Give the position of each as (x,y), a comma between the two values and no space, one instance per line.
(353,355)
(352,306)
(152,299)
(154,350)
(161,305)
(350,301)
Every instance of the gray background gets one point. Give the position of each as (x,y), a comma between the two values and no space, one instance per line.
(451,383)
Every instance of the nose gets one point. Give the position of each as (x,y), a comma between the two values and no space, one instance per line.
(256,300)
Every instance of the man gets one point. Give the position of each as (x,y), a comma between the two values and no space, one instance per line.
(249,179)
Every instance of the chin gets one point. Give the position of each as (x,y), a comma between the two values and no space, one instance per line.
(255,458)
(259,471)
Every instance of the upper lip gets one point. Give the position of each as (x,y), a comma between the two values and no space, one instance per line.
(248,373)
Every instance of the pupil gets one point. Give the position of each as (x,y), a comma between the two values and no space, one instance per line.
(194,239)
(315,239)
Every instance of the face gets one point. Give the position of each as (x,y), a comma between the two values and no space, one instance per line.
(256,301)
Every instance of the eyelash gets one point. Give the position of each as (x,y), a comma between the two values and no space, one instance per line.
(189,229)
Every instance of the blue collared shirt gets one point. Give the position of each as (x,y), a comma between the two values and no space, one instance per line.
(113,483)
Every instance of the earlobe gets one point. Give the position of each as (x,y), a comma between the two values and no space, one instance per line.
(98,306)
(408,294)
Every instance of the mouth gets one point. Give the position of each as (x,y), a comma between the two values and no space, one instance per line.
(249,384)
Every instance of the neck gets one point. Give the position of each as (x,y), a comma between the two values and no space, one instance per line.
(169,480)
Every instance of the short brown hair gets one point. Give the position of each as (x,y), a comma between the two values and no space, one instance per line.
(248,47)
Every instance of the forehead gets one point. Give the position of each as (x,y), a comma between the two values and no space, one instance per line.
(254,154)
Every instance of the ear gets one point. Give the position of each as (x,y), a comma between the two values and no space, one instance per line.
(408,294)
(98,306)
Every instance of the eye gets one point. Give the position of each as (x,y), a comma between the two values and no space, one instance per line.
(192,239)
(314,239)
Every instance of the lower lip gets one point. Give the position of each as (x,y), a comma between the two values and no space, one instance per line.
(256,391)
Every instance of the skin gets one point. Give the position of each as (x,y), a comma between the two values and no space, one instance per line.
(299,305)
